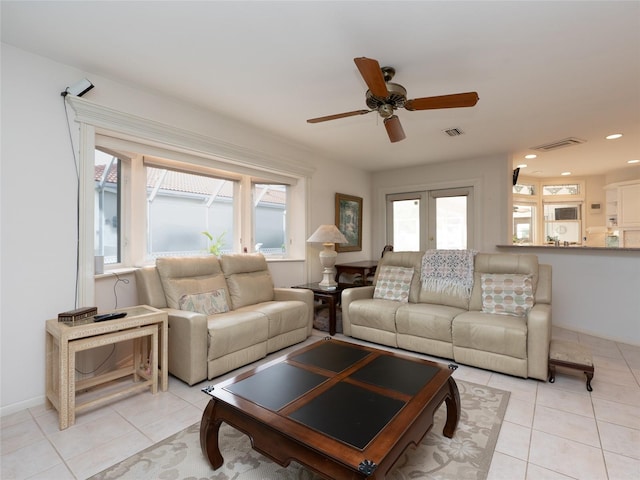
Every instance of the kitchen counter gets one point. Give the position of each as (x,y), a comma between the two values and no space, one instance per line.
(572,248)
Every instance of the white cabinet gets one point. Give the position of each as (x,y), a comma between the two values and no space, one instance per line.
(611,207)
(629,205)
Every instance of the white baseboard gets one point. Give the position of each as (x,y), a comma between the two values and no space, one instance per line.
(16,407)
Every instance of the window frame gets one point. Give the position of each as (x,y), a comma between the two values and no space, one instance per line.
(125,133)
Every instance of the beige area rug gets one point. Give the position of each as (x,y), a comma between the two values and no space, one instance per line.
(466,456)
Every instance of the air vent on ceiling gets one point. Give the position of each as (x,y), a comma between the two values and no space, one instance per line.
(453,132)
(566,142)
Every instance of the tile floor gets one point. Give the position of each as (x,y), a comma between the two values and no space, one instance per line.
(551,431)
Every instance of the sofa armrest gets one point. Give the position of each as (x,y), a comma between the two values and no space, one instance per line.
(300,294)
(349,295)
(188,342)
(538,340)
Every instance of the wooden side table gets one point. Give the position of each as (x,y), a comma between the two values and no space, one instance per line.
(330,295)
(364,268)
(63,340)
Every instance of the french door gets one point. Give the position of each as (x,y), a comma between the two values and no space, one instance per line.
(434,219)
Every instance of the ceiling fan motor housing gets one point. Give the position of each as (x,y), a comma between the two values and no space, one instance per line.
(396,99)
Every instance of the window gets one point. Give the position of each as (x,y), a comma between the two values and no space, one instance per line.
(524,215)
(187,209)
(107,204)
(562,222)
(561,189)
(270,218)
(188,213)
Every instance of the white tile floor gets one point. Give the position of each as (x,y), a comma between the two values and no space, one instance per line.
(550,431)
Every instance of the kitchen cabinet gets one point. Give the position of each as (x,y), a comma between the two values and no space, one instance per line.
(629,205)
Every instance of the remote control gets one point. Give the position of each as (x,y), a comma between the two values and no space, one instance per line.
(109,316)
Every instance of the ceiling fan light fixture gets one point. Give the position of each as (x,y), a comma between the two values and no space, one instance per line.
(394,129)
(385,110)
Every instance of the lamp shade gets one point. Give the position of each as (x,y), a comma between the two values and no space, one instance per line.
(327,234)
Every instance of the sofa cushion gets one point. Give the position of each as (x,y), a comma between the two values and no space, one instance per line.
(426,320)
(208,303)
(235,331)
(394,283)
(188,275)
(488,332)
(284,316)
(374,313)
(248,278)
(506,294)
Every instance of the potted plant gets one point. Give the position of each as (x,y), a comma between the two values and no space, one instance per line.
(215,244)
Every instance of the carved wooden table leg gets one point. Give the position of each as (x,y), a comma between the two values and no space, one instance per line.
(453,409)
(209,428)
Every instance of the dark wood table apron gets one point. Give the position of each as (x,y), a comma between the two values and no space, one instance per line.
(344,411)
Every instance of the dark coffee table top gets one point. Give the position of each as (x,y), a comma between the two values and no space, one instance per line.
(341,390)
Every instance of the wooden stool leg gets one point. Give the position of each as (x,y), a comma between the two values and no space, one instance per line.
(589,378)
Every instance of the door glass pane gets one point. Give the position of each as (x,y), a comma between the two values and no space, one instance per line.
(107,207)
(451,223)
(406,225)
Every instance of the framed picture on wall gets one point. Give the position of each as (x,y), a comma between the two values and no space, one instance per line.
(349,222)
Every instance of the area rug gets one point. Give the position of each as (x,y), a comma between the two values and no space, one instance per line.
(466,456)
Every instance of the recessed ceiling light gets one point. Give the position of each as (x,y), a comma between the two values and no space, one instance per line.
(564,174)
(613,136)
(522,165)
(633,161)
(530,156)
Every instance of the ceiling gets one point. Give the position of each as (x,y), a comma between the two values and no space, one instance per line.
(544,71)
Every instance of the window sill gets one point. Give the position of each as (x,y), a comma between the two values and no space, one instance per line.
(114,272)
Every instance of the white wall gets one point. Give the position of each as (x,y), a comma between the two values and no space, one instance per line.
(491,178)
(38,204)
(594,291)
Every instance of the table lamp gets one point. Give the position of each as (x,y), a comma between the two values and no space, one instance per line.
(328,235)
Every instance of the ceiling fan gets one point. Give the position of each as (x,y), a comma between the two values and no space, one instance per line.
(384,97)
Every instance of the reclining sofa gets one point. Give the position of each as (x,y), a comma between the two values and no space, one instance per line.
(454,326)
(223,312)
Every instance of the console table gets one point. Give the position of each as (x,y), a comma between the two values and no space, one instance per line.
(63,340)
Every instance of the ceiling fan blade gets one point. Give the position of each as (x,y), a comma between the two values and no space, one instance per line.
(455,100)
(372,74)
(394,129)
(338,115)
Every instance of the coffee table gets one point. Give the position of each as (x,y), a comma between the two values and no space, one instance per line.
(343,410)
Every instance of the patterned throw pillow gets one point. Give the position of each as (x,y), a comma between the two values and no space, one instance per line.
(393,283)
(208,303)
(507,294)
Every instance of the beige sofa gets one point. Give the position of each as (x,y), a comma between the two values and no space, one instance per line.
(453,326)
(260,318)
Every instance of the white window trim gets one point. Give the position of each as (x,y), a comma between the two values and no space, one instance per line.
(154,136)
